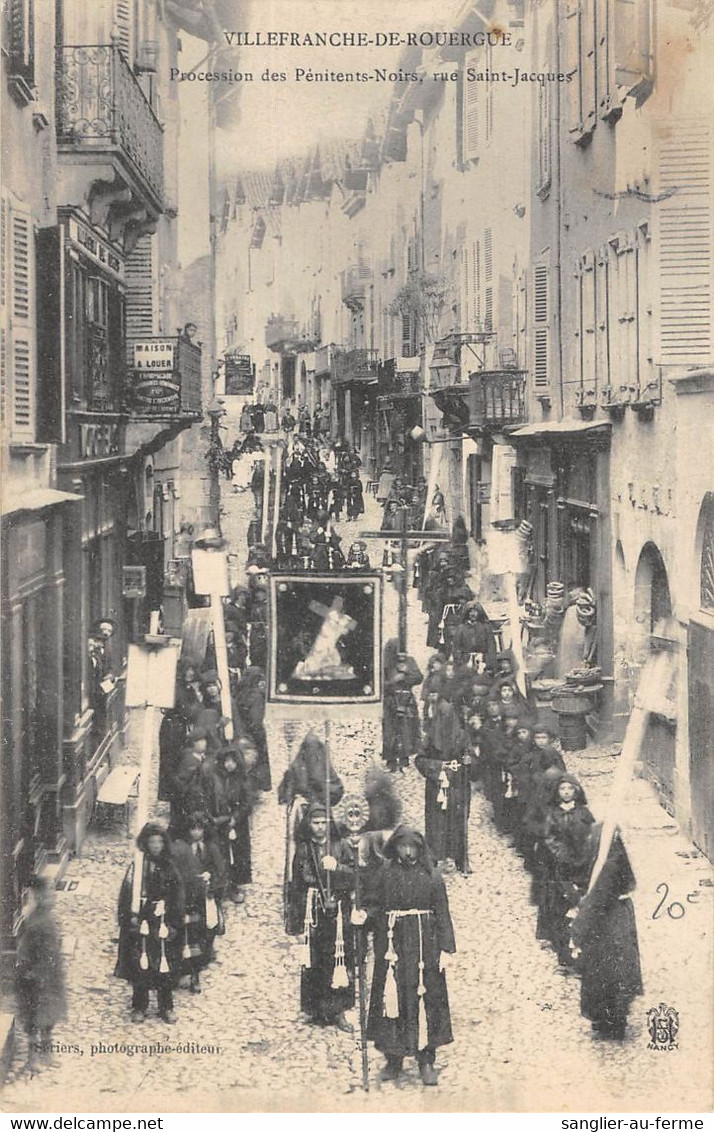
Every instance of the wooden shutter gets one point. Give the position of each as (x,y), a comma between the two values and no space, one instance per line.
(588,320)
(544,137)
(541,327)
(606,94)
(632,41)
(520,335)
(140,289)
(4,314)
(22,39)
(465,288)
(602,318)
(685,244)
(18,346)
(644,311)
(470,112)
(573,67)
(488,279)
(123,26)
(588,30)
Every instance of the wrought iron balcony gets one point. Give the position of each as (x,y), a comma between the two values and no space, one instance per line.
(354,366)
(101,109)
(498,399)
(396,380)
(354,281)
(165,377)
(285,334)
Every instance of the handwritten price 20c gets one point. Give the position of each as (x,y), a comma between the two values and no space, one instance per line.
(675,910)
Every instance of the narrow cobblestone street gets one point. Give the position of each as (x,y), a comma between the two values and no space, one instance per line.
(520,1042)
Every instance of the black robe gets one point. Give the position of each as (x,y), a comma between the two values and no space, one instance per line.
(410,887)
(197,941)
(605,931)
(233,799)
(160,882)
(318,997)
(249,713)
(401,730)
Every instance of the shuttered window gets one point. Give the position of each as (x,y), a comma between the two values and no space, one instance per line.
(21,69)
(520,321)
(685,242)
(123,28)
(580,56)
(643,306)
(470,112)
(631,26)
(602,316)
(17,322)
(488,279)
(586,323)
(140,290)
(544,138)
(541,327)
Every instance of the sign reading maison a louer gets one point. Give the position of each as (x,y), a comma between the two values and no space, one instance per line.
(157,386)
(155,354)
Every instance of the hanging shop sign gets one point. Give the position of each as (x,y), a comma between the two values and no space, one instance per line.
(155,355)
(325,638)
(94,248)
(133,581)
(240,375)
(157,394)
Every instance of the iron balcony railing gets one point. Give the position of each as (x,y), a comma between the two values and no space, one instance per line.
(354,281)
(498,398)
(355,365)
(101,107)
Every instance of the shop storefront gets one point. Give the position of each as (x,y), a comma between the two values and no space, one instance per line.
(560,490)
(34,606)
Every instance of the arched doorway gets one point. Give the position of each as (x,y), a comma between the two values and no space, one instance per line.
(653,615)
(700,691)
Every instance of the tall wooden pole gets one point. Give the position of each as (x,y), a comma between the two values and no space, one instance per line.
(219,640)
(266,495)
(402,632)
(278,490)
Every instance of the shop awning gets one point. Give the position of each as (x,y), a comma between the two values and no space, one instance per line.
(36,500)
(562,428)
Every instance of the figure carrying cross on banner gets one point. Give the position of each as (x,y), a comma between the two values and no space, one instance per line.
(324,661)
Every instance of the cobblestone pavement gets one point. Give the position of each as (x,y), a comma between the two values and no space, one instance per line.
(520,1042)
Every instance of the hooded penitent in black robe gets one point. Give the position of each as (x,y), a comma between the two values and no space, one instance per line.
(304,781)
(145,959)
(447,792)
(401,728)
(400,942)
(605,931)
(233,799)
(201,912)
(326,959)
(250,707)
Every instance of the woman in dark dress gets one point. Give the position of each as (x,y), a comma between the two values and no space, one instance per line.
(566,839)
(320,911)
(151,921)
(409,1005)
(200,867)
(605,933)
